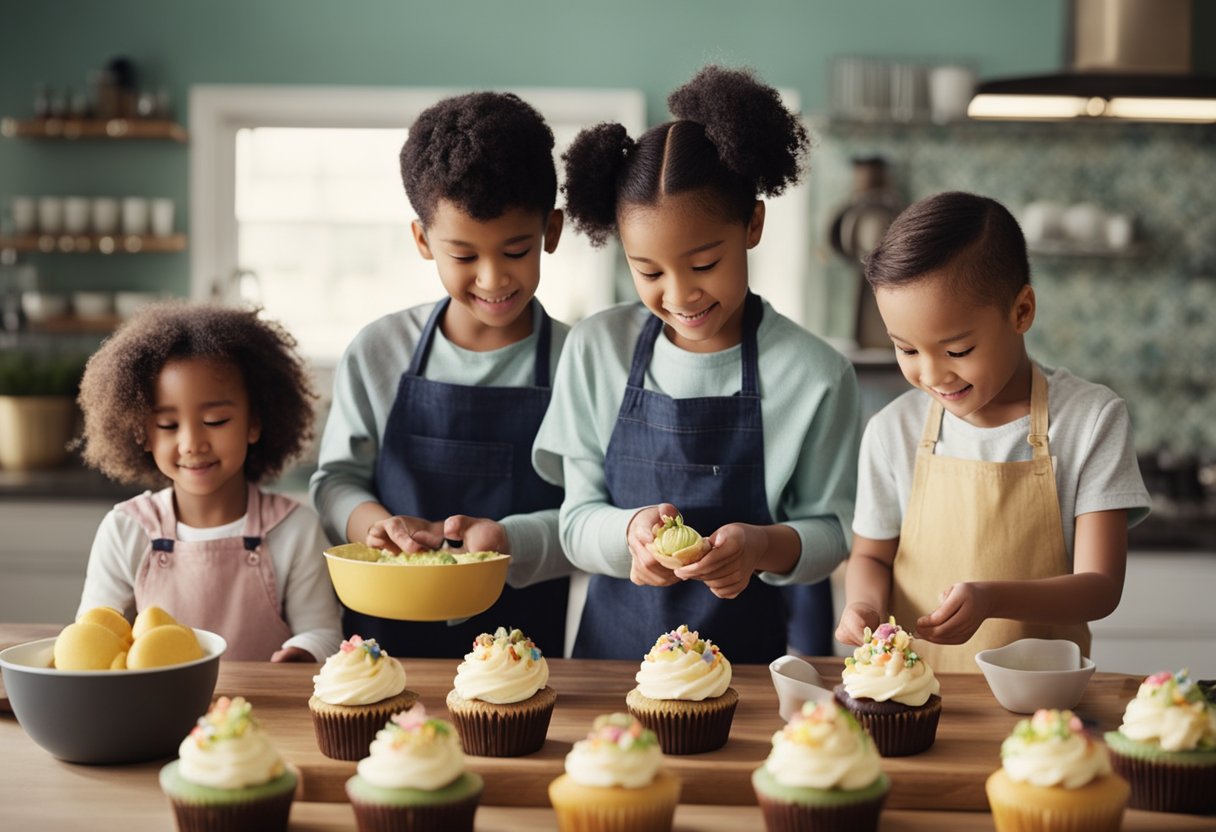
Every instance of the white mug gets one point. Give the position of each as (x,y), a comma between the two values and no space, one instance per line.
(105,215)
(162,217)
(25,214)
(950,89)
(50,214)
(75,215)
(135,215)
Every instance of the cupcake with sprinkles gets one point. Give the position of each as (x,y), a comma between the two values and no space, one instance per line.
(684,693)
(822,774)
(501,701)
(891,691)
(228,775)
(354,694)
(414,779)
(614,781)
(1054,778)
(1166,746)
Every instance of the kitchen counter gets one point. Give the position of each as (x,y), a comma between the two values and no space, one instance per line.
(941,789)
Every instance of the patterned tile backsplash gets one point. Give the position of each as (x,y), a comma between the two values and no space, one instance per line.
(1143,323)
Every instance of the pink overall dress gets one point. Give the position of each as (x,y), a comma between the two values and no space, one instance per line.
(226,586)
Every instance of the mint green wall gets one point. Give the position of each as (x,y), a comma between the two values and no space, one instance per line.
(653,45)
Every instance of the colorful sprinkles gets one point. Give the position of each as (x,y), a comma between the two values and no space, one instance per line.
(518,646)
(889,645)
(621,730)
(1047,725)
(1174,688)
(368,646)
(817,722)
(415,728)
(682,640)
(228,719)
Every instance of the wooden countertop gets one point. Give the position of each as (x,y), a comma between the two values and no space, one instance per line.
(941,789)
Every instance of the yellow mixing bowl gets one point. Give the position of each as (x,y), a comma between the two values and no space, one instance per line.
(414,592)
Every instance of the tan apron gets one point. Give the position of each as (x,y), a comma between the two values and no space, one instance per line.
(225,586)
(969,520)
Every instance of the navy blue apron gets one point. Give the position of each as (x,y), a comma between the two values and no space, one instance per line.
(706,456)
(467,449)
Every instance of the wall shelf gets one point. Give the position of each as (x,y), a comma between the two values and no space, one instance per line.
(75,128)
(93,243)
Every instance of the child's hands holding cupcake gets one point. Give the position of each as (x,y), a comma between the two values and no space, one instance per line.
(733,555)
(645,569)
(964,607)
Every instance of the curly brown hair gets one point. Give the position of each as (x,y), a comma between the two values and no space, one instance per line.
(485,152)
(117,391)
(734,140)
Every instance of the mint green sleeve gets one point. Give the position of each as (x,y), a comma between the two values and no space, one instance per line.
(818,499)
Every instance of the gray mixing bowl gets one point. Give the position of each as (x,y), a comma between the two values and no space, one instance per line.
(109,716)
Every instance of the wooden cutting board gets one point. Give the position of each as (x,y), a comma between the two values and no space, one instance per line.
(949,776)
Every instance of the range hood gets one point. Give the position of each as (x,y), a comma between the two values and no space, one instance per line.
(1131,60)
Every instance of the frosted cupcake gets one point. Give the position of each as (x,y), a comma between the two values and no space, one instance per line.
(228,775)
(501,702)
(892,692)
(1054,777)
(613,781)
(822,774)
(684,693)
(1166,746)
(414,779)
(357,690)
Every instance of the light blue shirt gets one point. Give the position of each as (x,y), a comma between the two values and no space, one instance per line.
(812,425)
(365,386)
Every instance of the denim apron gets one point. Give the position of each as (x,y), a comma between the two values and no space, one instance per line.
(705,456)
(467,449)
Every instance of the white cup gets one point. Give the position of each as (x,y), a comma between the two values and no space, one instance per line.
(134,215)
(1085,223)
(50,214)
(162,217)
(25,214)
(950,89)
(75,215)
(1042,220)
(105,215)
(1119,231)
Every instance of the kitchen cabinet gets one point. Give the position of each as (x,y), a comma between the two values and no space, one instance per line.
(1166,618)
(43,556)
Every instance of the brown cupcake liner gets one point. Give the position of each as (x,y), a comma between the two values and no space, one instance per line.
(686,727)
(449,817)
(266,814)
(510,730)
(344,733)
(1161,786)
(783,816)
(899,734)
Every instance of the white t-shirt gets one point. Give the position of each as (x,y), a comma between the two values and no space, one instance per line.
(301,578)
(1089,435)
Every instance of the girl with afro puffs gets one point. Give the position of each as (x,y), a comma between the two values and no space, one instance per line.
(207,402)
(701,400)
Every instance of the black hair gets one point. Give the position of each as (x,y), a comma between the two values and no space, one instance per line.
(118,389)
(486,152)
(732,141)
(974,239)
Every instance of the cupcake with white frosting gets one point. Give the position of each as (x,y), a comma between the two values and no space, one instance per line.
(1053,778)
(501,701)
(823,774)
(1166,746)
(891,691)
(354,694)
(228,775)
(413,778)
(614,781)
(684,693)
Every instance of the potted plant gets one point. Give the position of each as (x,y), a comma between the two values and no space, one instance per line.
(37,407)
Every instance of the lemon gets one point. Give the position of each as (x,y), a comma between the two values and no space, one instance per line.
(109,618)
(164,645)
(149,619)
(87,646)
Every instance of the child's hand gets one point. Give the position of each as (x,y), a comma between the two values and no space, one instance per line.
(965,606)
(293,654)
(645,570)
(405,534)
(478,533)
(734,551)
(854,620)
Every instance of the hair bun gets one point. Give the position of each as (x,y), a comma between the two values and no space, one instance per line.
(755,135)
(593,164)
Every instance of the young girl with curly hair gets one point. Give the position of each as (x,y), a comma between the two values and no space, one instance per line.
(701,400)
(208,401)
